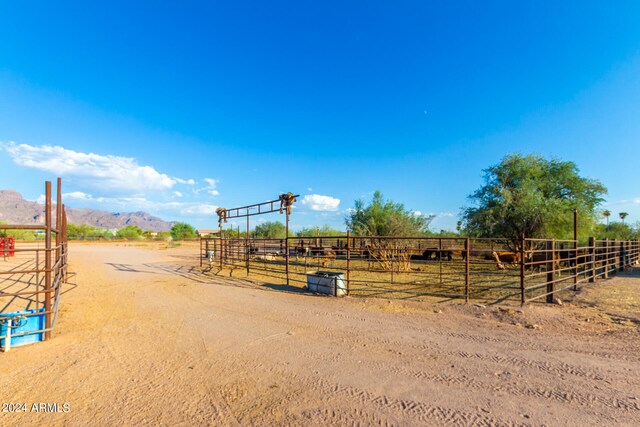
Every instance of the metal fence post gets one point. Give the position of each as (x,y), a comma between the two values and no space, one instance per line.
(220,254)
(592,256)
(606,258)
(621,257)
(550,250)
(47,261)
(467,273)
(246,243)
(348,260)
(522,261)
(286,245)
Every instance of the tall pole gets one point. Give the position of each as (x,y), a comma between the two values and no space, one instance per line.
(58,221)
(47,260)
(286,245)
(246,242)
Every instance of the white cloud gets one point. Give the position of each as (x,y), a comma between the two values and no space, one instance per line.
(317,202)
(624,202)
(107,171)
(76,195)
(140,203)
(199,209)
(184,181)
(210,188)
(177,194)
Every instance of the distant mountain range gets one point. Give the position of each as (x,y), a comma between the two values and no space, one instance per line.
(14,209)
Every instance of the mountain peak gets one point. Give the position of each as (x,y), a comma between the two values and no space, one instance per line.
(14,209)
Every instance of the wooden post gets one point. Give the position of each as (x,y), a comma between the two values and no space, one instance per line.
(348,260)
(550,250)
(592,257)
(467,272)
(47,260)
(621,257)
(201,252)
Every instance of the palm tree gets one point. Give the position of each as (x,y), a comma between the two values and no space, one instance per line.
(606,214)
(623,215)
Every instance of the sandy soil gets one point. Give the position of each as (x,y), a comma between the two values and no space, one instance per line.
(144,338)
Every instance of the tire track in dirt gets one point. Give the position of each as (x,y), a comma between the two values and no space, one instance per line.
(466,380)
(417,411)
(563,396)
(355,417)
(556,368)
(435,348)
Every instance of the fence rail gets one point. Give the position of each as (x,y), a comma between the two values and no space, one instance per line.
(411,267)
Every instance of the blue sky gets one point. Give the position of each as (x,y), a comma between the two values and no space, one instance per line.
(176,108)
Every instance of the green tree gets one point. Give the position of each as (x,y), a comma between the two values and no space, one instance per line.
(87,232)
(623,215)
(130,232)
(270,230)
(233,233)
(182,230)
(325,230)
(385,218)
(533,196)
(606,214)
(615,230)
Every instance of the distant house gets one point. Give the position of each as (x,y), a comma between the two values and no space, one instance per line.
(206,233)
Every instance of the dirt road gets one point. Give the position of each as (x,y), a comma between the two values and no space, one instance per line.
(144,338)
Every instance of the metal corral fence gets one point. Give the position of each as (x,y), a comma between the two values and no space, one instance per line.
(31,277)
(485,270)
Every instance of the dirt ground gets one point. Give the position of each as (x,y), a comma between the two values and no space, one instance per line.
(143,338)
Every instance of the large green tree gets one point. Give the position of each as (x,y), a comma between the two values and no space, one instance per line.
(130,232)
(533,196)
(182,230)
(325,230)
(270,230)
(383,217)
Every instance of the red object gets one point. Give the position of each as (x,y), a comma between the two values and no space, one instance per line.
(7,244)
